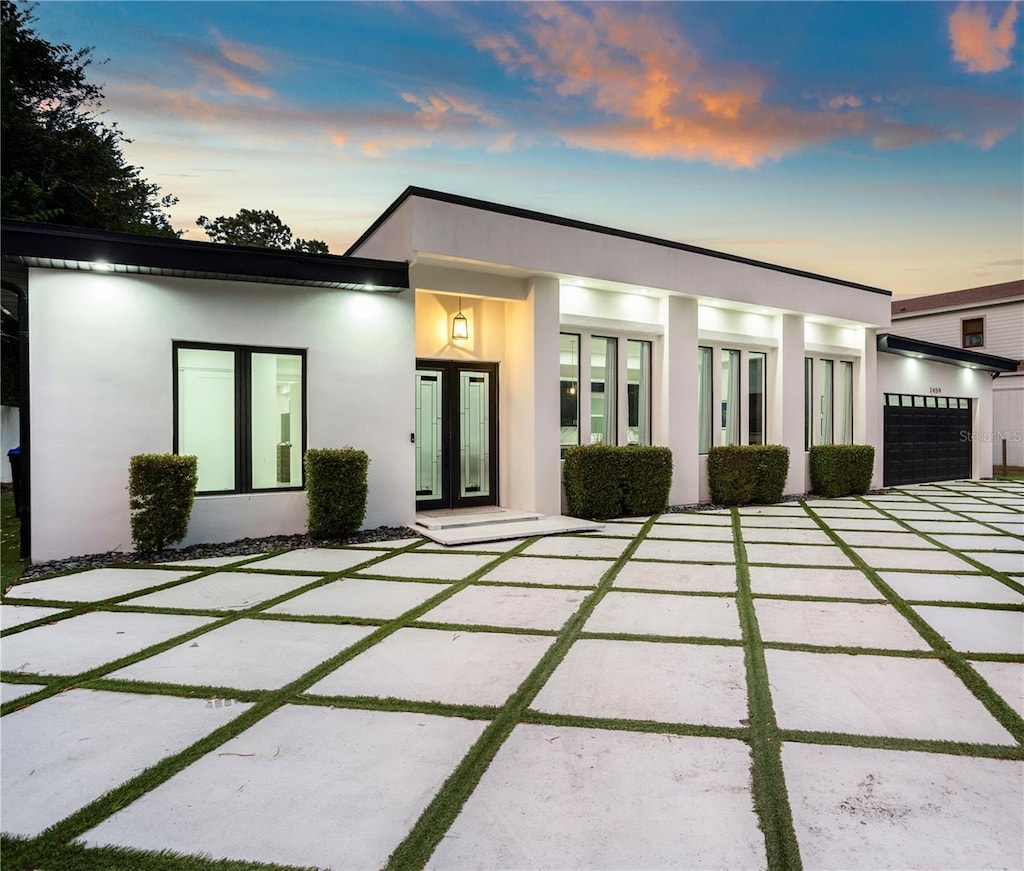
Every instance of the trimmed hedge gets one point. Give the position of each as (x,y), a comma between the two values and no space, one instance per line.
(841,470)
(605,481)
(161,490)
(747,474)
(335,491)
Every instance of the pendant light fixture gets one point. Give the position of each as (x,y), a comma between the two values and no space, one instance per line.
(460,326)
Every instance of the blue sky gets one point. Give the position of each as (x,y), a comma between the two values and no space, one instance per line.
(878,142)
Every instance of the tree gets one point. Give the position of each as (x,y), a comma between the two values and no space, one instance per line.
(258,228)
(60,162)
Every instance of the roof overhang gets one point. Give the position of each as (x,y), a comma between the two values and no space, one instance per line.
(48,246)
(907,347)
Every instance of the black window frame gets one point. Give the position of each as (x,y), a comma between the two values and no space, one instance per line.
(243,411)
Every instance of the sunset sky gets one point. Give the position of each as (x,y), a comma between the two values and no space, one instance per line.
(877,142)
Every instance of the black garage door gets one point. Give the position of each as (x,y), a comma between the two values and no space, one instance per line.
(927,438)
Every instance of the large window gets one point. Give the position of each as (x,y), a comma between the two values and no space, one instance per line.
(825,403)
(569,382)
(808,402)
(241,411)
(704,415)
(730,397)
(603,419)
(756,397)
(638,392)
(844,403)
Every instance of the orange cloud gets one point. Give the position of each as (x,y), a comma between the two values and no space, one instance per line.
(661,98)
(232,65)
(241,54)
(979,44)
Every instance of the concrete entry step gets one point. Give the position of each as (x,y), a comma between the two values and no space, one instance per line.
(521,527)
(487,516)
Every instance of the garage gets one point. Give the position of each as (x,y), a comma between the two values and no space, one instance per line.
(927,438)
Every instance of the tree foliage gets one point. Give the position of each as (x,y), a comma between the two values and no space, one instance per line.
(60,162)
(258,228)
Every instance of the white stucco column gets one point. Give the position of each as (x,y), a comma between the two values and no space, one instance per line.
(676,418)
(867,410)
(786,422)
(532,479)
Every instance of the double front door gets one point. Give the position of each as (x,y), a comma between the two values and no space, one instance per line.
(456,434)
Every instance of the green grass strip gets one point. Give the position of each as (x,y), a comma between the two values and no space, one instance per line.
(415,850)
(20,854)
(1007,717)
(769,780)
(919,745)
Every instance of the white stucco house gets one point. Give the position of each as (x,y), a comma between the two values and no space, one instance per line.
(463,344)
(989,319)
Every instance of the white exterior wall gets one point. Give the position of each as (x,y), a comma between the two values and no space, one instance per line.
(898,374)
(1004,328)
(101,382)
(1008,418)
(10,437)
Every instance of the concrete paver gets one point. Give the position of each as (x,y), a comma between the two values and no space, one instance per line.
(582,798)
(641,680)
(273,794)
(76,746)
(246,655)
(95,585)
(864,808)
(360,597)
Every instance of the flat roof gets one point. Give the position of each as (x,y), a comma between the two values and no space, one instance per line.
(907,347)
(971,296)
(51,246)
(498,208)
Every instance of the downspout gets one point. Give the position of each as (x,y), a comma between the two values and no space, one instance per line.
(24,425)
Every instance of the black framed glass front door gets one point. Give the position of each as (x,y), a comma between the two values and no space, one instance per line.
(456,434)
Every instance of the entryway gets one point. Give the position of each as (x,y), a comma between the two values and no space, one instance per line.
(456,434)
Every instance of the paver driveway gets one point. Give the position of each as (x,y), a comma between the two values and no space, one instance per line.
(834,684)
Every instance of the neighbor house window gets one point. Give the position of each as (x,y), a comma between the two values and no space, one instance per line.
(844,403)
(704,415)
(569,392)
(756,397)
(973,333)
(730,397)
(638,392)
(241,412)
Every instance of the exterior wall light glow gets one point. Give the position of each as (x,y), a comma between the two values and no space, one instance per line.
(102,267)
(460,326)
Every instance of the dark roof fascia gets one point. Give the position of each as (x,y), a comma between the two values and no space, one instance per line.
(905,346)
(498,208)
(23,241)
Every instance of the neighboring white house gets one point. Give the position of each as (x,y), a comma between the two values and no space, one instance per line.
(988,319)
(478,342)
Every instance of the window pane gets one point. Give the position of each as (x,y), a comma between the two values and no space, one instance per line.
(730,397)
(756,367)
(638,391)
(825,398)
(206,415)
(475,433)
(569,375)
(603,419)
(808,401)
(704,416)
(429,433)
(845,402)
(276,418)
